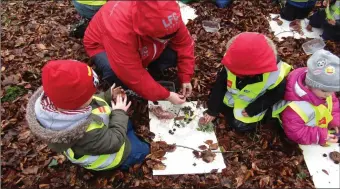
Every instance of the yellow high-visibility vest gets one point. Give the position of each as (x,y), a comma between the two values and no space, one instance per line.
(333,11)
(98,162)
(240,99)
(314,116)
(91,2)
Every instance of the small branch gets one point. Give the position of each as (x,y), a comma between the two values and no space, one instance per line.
(214,151)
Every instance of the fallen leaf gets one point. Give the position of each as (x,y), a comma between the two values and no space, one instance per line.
(196,154)
(41,46)
(209,142)
(238,13)
(31,170)
(213,146)
(203,147)
(179,118)
(43,186)
(208,156)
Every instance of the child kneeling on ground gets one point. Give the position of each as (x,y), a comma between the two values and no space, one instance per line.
(67,115)
(312,104)
(251,82)
(297,9)
(329,20)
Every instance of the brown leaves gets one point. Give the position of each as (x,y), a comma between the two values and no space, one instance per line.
(203,147)
(158,151)
(208,156)
(160,113)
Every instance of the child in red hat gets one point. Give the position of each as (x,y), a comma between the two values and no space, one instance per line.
(250,84)
(67,114)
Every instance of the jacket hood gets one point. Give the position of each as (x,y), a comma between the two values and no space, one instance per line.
(65,136)
(156,18)
(296,89)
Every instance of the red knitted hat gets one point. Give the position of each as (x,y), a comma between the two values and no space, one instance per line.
(69,84)
(156,18)
(250,54)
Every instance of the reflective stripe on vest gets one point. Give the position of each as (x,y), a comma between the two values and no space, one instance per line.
(318,116)
(91,2)
(239,99)
(299,1)
(333,12)
(98,162)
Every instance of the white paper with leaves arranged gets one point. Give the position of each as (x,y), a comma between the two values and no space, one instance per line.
(325,173)
(182,160)
(284,29)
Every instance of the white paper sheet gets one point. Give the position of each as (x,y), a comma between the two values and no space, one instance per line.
(316,162)
(181,160)
(186,12)
(284,30)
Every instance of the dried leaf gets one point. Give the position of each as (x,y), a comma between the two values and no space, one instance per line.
(213,146)
(179,118)
(203,147)
(44,186)
(41,46)
(31,170)
(209,142)
(196,154)
(208,156)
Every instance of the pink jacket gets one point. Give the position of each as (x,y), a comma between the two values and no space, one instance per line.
(293,125)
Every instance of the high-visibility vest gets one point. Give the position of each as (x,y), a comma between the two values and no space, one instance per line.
(314,116)
(333,11)
(240,99)
(98,162)
(299,1)
(92,2)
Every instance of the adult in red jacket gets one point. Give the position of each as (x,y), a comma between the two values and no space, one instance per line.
(130,36)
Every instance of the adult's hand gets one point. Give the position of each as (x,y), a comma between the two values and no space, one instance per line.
(175,98)
(187,89)
(115,91)
(208,118)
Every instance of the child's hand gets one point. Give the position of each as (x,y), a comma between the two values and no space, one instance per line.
(244,113)
(208,118)
(332,138)
(120,103)
(332,22)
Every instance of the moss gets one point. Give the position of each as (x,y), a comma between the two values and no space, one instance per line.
(12,93)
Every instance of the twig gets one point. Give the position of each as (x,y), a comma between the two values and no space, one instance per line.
(181,146)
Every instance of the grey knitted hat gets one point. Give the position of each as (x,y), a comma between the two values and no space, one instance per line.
(323,71)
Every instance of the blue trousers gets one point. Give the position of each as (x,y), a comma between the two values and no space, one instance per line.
(86,11)
(139,149)
(167,59)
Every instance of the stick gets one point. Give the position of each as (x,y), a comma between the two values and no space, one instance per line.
(215,151)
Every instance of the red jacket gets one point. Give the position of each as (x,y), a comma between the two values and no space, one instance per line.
(123,30)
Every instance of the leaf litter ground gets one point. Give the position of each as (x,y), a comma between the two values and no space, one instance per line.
(33,33)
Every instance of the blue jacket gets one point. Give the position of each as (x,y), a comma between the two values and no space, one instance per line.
(302,3)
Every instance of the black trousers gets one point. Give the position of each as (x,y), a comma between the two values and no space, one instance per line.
(290,12)
(240,126)
(167,59)
(319,20)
